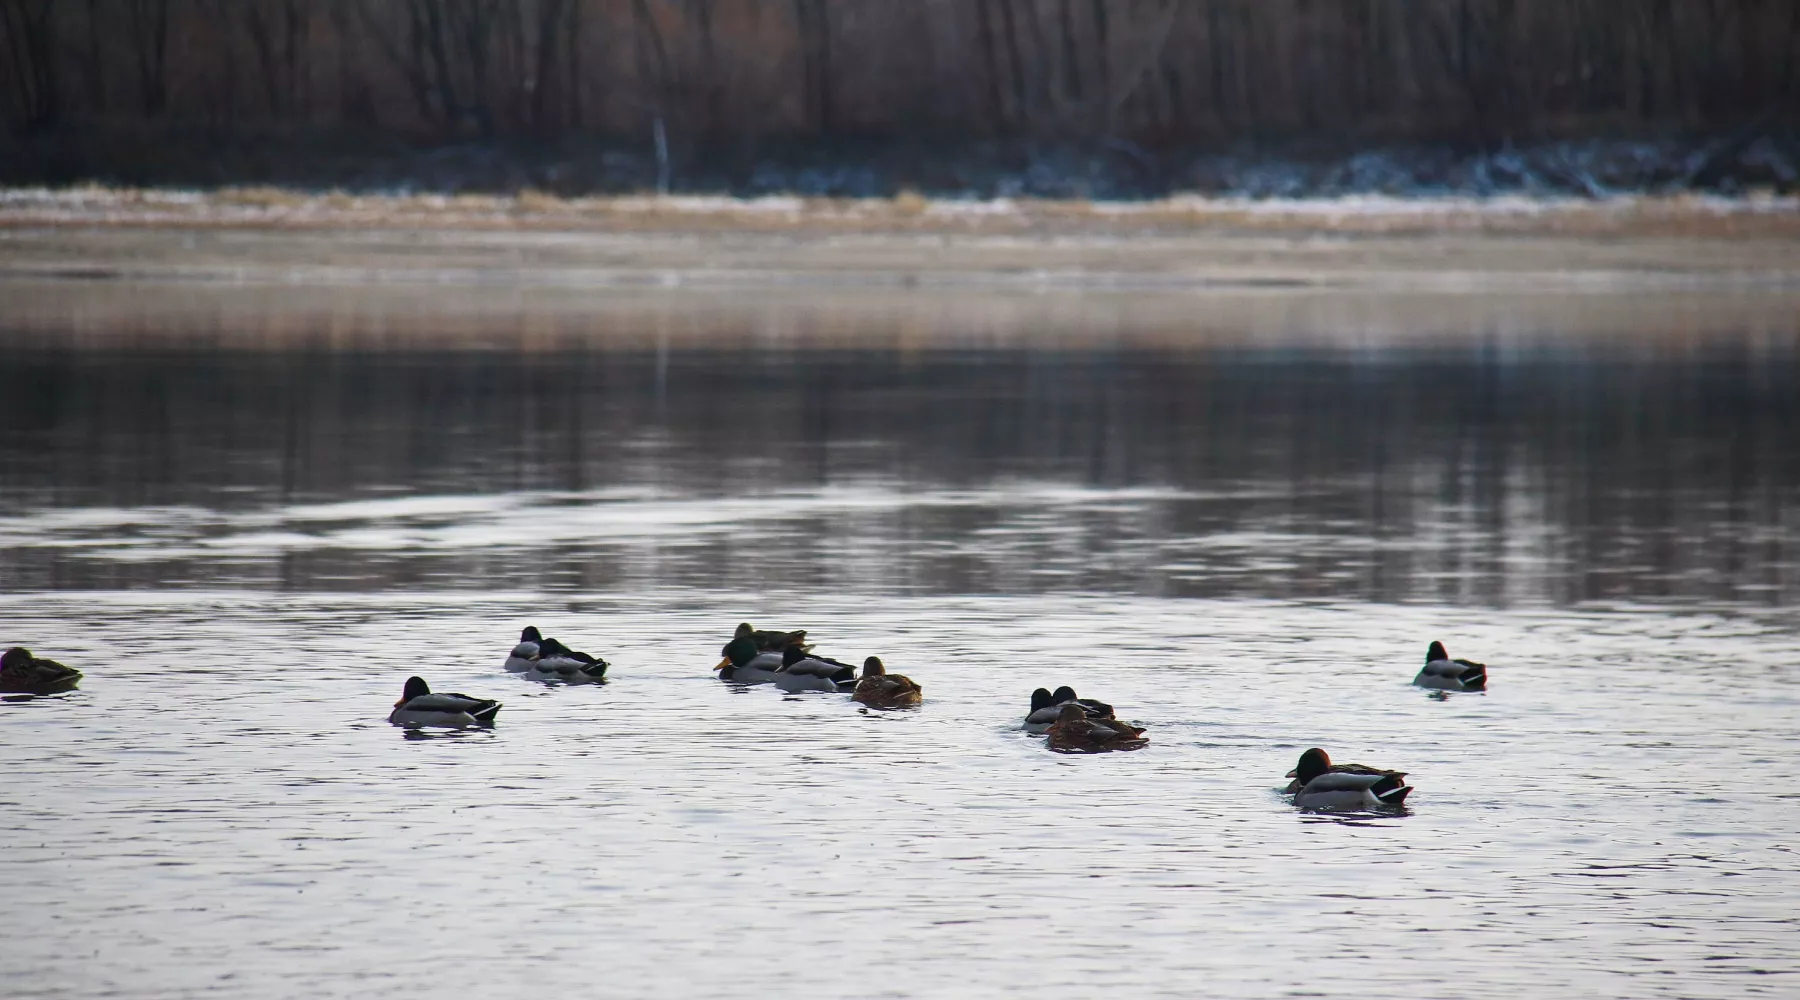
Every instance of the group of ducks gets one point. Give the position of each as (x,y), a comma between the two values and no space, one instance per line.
(1070,724)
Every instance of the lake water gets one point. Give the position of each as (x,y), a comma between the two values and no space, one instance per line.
(248,517)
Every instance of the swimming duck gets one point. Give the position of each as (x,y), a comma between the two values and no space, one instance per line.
(1077,732)
(745,662)
(548,659)
(1320,784)
(22,673)
(419,707)
(1445,674)
(1046,707)
(801,671)
(880,689)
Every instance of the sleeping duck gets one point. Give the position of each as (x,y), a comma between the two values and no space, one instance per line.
(419,707)
(1046,707)
(548,659)
(1077,732)
(22,673)
(1444,674)
(801,671)
(880,689)
(1320,784)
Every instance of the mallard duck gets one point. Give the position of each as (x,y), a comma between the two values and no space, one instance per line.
(548,659)
(744,662)
(880,689)
(801,671)
(1046,707)
(1076,732)
(1320,784)
(524,656)
(22,673)
(419,707)
(1445,674)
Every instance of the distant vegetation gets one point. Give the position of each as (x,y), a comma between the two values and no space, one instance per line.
(717,81)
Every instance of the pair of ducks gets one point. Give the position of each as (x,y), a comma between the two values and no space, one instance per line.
(535,656)
(1319,784)
(760,656)
(1080,725)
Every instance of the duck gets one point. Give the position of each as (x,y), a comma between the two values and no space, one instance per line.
(1046,707)
(801,671)
(548,659)
(1444,674)
(1077,732)
(419,707)
(1320,784)
(745,662)
(880,689)
(22,673)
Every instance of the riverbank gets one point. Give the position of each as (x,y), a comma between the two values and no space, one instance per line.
(1505,246)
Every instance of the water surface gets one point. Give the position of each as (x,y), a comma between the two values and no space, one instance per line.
(1238,522)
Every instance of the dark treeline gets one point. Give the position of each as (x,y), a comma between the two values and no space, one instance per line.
(1139,74)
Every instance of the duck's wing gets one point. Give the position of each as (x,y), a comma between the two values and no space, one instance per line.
(453,702)
(1365,770)
(815,667)
(767,639)
(1095,709)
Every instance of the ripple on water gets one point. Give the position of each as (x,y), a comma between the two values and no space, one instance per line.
(223,800)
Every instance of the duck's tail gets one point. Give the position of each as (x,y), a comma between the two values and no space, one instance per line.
(1473,675)
(486,712)
(596,669)
(1391,790)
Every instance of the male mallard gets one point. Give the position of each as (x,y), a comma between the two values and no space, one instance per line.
(880,689)
(547,659)
(1445,674)
(1046,708)
(746,662)
(800,671)
(22,673)
(1076,732)
(1320,784)
(419,707)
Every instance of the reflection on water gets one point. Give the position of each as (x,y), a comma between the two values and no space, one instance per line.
(1473,468)
(1243,538)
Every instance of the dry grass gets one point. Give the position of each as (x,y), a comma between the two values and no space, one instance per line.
(1760,216)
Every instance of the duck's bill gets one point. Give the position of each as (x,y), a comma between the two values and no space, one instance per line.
(722,664)
(1295,773)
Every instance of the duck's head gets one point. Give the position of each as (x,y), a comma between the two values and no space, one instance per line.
(531,634)
(1071,712)
(1436,652)
(792,655)
(872,667)
(17,656)
(415,686)
(744,631)
(1041,699)
(1062,694)
(1313,763)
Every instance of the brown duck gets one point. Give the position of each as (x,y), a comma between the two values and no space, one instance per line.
(1075,732)
(880,689)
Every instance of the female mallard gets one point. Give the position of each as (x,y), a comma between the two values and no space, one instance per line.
(419,707)
(1444,674)
(1320,784)
(1076,732)
(880,689)
(1046,708)
(547,659)
(22,673)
